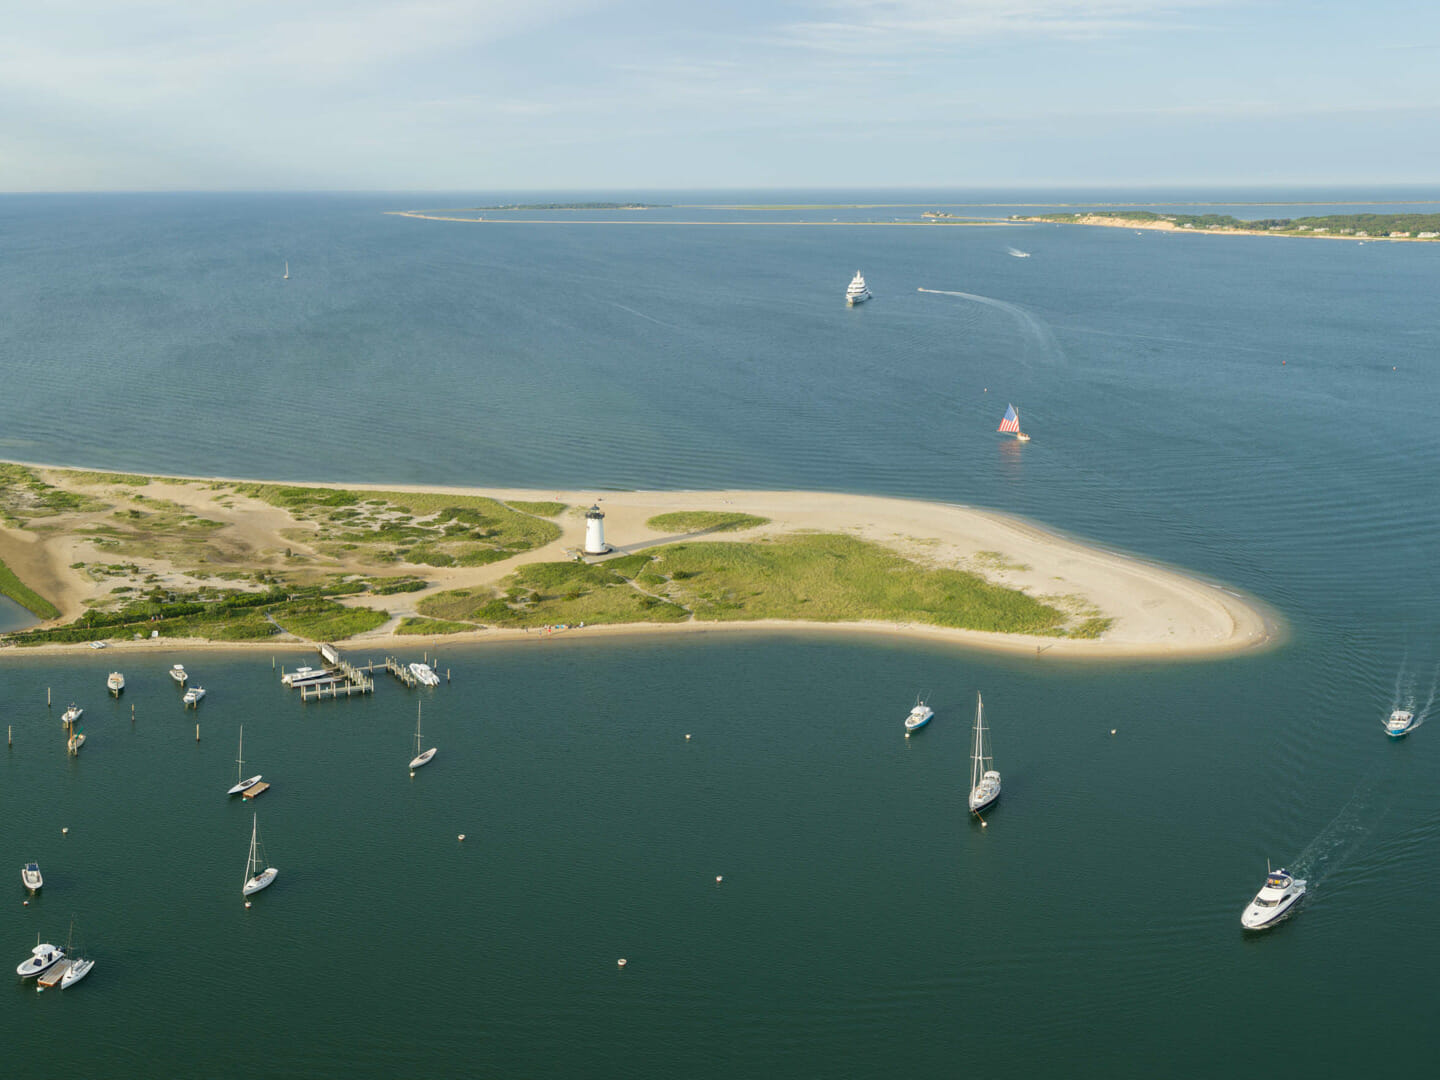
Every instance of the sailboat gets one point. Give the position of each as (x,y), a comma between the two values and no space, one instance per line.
(242,784)
(255,878)
(419,758)
(984,780)
(79,965)
(287,270)
(1011,424)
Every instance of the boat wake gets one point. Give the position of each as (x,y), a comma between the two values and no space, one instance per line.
(1338,840)
(642,315)
(1017,253)
(1034,329)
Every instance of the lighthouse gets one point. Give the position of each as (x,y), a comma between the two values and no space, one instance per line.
(595,532)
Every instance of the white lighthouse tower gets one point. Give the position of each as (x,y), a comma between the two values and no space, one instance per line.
(595,532)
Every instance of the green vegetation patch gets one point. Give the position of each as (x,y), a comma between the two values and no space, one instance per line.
(539,509)
(835,578)
(326,620)
(691,521)
(549,594)
(26,597)
(84,476)
(412,625)
(25,497)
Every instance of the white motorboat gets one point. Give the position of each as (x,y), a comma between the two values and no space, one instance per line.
(857,293)
(241,784)
(424,674)
(42,959)
(72,714)
(919,716)
(255,878)
(178,674)
(984,780)
(31,876)
(115,683)
(1280,893)
(301,676)
(193,696)
(419,758)
(78,970)
(1400,723)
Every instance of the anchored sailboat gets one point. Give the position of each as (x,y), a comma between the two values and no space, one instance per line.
(242,785)
(255,878)
(984,780)
(1011,424)
(419,758)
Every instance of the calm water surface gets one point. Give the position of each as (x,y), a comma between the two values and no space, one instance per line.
(1259,410)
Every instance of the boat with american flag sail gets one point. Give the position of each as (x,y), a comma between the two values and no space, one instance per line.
(1011,424)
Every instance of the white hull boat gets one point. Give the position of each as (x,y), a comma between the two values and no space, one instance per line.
(42,959)
(242,785)
(984,780)
(194,695)
(70,715)
(1400,723)
(115,683)
(77,971)
(256,878)
(1275,900)
(178,674)
(302,676)
(857,292)
(75,742)
(419,758)
(919,716)
(424,674)
(31,876)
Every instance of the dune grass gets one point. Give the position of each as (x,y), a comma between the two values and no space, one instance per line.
(691,521)
(26,597)
(539,509)
(825,578)
(414,625)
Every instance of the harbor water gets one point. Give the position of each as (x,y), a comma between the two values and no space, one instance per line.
(1257,410)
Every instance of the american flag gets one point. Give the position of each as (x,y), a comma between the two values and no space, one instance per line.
(1011,421)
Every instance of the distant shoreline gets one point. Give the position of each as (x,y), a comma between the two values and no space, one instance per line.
(927,224)
(1114,221)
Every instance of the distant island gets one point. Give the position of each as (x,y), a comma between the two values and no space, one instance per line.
(1332,226)
(568,206)
(140,561)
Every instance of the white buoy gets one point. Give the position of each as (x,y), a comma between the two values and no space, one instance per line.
(65,831)
(982,823)
(247,903)
(687,738)
(907,734)
(719,878)
(412,774)
(620,962)
(462,835)
(1112,731)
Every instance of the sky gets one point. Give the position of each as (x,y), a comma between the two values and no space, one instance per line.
(617,95)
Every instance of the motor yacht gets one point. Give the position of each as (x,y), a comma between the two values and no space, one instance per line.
(1280,893)
(858,292)
(42,959)
(1400,723)
(919,716)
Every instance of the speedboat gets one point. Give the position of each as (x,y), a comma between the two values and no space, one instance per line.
(857,293)
(424,674)
(919,716)
(30,875)
(78,970)
(116,683)
(303,675)
(1273,902)
(1400,723)
(193,695)
(70,715)
(42,959)
(178,674)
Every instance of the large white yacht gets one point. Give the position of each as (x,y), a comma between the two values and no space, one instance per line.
(1400,723)
(1273,902)
(857,293)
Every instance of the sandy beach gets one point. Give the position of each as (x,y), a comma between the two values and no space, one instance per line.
(1157,611)
(1169,226)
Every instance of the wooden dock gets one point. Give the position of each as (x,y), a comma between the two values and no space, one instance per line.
(255,789)
(349,680)
(55,974)
(401,672)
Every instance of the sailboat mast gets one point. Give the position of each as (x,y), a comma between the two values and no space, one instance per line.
(240,761)
(979,735)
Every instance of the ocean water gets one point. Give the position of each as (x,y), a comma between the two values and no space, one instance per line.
(1258,410)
